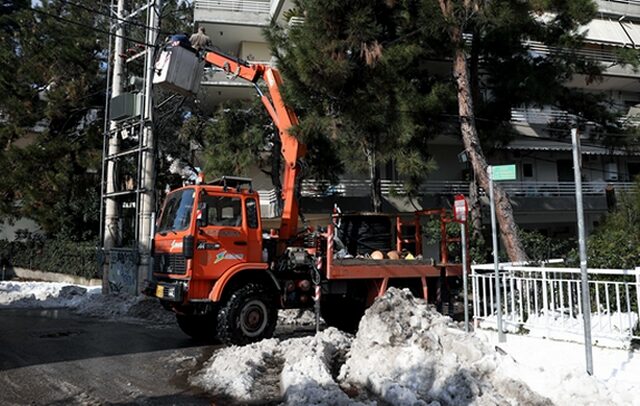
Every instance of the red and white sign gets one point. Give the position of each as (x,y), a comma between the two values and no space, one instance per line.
(460,209)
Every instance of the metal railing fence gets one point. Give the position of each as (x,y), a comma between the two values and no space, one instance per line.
(547,301)
(353,187)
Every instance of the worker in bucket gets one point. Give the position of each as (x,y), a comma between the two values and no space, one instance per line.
(200,40)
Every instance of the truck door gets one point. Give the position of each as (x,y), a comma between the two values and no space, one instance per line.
(222,241)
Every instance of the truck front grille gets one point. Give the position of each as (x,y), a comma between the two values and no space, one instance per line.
(170,264)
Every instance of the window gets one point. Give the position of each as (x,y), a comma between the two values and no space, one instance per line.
(527,170)
(223,211)
(176,215)
(252,213)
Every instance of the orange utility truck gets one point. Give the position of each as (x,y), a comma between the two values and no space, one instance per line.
(226,277)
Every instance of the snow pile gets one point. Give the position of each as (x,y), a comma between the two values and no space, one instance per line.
(405,353)
(43,294)
(306,378)
(114,306)
(81,299)
(298,371)
(408,354)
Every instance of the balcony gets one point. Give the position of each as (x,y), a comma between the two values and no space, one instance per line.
(311,188)
(233,11)
(546,116)
(629,8)
(230,22)
(603,54)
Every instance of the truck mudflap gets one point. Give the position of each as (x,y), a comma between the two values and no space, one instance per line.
(168,291)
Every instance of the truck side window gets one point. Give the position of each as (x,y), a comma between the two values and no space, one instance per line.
(224,211)
(252,213)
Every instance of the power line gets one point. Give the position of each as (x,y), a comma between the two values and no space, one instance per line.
(123,20)
(88,26)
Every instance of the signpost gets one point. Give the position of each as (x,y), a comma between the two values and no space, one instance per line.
(461,210)
(500,172)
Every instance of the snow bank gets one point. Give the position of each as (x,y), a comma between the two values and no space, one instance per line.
(557,370)
(297,371)
(43,294)
(405,353)
(408,354)
(80,299)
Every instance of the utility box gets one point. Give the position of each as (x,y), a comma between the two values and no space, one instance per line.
(124,106)
(178,70)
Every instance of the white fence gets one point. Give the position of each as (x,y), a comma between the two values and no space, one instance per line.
(547,302)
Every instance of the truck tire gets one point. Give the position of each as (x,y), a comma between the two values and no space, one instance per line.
(248,315)
(198,327)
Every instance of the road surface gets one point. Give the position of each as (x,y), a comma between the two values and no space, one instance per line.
(54,357)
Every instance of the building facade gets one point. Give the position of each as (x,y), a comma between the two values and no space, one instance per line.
(543,194)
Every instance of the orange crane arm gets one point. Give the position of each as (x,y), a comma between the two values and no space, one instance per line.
(284,118)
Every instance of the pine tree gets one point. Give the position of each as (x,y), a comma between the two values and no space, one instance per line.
(344,70)
(499,32)
(51,98)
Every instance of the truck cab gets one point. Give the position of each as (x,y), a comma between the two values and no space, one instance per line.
(202,233)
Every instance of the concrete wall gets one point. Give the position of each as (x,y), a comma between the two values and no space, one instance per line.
(254,51)
(29,274)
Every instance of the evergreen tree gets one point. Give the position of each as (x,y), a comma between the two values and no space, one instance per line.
(344,70)
(515,76)
(51,97)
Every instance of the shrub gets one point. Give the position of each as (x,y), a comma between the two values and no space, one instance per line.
(59,256)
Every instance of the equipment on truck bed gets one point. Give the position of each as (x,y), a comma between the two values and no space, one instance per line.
(225,277)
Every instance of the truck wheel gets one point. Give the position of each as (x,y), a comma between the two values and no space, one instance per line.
(249,315)
(198,327)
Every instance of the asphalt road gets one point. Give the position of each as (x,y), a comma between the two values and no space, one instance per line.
(53,357)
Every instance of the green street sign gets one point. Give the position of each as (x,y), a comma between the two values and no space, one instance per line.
(503,172)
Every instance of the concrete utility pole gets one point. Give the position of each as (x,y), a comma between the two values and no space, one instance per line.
(111,234)
(586,298)
(147,170)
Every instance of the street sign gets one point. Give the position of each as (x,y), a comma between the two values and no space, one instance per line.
(460,208)
(503,172)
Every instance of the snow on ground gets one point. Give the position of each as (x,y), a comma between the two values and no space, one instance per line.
(557,370)
(607,330)
(405,353)
(82,300)
(298,371)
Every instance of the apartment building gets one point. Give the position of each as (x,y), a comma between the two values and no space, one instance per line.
(543,194)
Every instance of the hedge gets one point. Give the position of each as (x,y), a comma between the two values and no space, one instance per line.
(67,257)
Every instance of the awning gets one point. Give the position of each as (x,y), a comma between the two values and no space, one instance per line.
(532,144)
(605,32)
(633,30)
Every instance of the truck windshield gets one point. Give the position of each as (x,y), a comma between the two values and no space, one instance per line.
(176,215)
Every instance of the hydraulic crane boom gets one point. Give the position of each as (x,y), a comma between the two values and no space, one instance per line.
(284,118)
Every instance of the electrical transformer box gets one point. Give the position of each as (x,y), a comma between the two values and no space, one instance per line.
(179,69)
(125,106)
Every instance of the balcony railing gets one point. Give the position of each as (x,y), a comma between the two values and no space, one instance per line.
(600,55)
(312,188)
(548,116)
(240,6)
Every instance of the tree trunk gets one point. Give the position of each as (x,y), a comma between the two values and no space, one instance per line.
(471,141)
(475,210)
(374,179)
